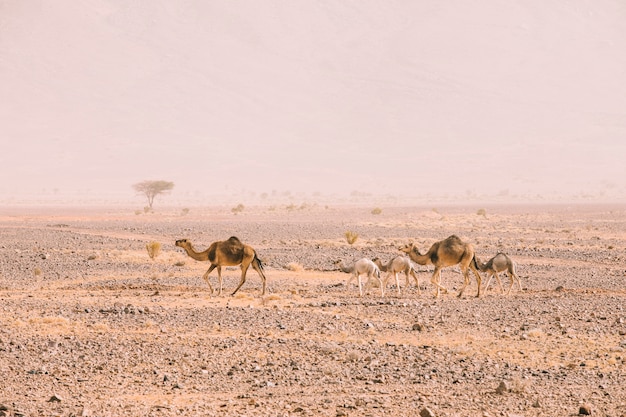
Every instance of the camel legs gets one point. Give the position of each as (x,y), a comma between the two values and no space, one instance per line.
(478,280)
(436,281)
(513,278)
(257,267)
(497,279)
(417,282)
(244,268)
(206,277)
(380,281)
(397,280)
(466,280)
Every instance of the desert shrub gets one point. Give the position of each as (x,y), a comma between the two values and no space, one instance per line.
(153,248)
(138,212)
(351,236)
(238,208)
(294,266)
(147,209)
(482,212)
(185,211)
(377,210)
(37,271)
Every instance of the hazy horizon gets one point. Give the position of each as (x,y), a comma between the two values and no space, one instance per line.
(449,100)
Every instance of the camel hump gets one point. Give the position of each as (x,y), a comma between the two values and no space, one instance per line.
(234,240)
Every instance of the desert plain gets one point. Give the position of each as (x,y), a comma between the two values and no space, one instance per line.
(91,325)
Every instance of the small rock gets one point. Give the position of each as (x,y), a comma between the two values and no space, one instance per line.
(503,388)
(584,410)
(418,327)
(426,412)
(55,399)
(560,288)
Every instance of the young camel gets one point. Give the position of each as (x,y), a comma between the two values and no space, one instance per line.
(395,266)
(500,263)
(231,252)
(361,267)
(447,252)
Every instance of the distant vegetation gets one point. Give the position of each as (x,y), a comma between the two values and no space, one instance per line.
(153,248)
(238,208)
(351,237)
(151,189)
(377,211)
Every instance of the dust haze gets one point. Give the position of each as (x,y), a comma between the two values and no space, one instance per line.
(507,101)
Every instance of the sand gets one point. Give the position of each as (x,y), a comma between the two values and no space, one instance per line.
(91,325)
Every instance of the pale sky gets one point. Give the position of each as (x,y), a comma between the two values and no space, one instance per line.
(387,97)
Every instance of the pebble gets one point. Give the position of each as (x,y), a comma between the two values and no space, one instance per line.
(426,412)
(503,388)
(584,410)
(418,327)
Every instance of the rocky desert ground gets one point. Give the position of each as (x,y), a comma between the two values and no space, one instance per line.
(91,325)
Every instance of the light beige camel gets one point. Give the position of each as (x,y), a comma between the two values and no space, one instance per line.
(447,252)
(361,267)
(231,252)
(500,263)
(396,265)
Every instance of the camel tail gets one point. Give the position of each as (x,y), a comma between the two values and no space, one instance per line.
(475,263)
(258,267)
(257,264)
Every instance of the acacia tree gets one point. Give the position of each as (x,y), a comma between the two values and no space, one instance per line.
(153,188)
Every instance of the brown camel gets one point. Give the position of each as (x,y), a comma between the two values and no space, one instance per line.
(499,263)
(231,252)
(447,252)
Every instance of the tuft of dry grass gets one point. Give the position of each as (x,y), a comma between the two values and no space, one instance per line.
(238,208)
(377,210)
(37,271)
(351,237)
(153,248)
(294,266)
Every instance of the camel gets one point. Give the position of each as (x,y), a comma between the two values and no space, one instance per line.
(231,252)
(500,263)
(447,252)
(395,266)
(361,267)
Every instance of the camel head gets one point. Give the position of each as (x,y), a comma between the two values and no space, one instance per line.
(378,263)
(183,243)
(408,248)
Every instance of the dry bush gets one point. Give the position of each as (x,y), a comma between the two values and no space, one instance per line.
(482,212)
(377,210)
(185,211)
(294,266)
(238,208)
(153,248)
(37,271)
(351,236)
